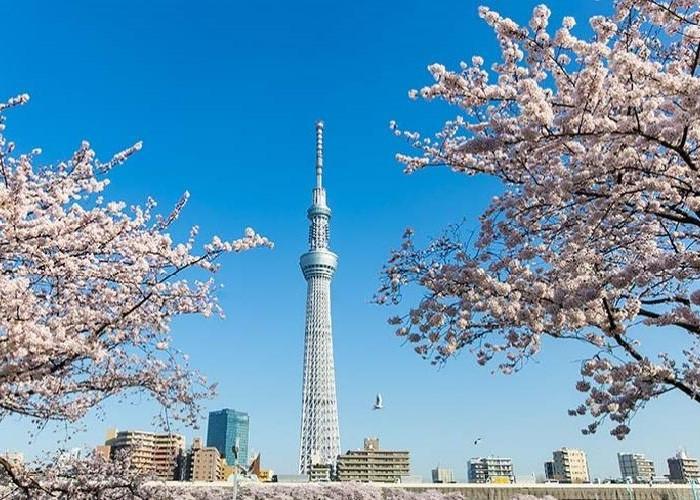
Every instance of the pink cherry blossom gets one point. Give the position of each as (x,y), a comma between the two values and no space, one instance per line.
(93,477)
(596,236)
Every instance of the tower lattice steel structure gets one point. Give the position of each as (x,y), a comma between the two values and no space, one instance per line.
(320,437)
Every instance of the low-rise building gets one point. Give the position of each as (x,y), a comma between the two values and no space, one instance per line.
(290,478)
(635,467)
(490,470)
(570,466)
(320,473)
(372,464)
(266,475)
(411,479)
(103,451)
(255,469)
(442,475)
(229,470)
(683,469)
(69,455)
(549,470)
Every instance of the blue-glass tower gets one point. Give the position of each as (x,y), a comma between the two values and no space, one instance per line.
(224,427)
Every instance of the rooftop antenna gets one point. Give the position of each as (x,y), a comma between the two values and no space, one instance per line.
(319,153)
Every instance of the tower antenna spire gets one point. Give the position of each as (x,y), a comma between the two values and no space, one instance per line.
(319,154)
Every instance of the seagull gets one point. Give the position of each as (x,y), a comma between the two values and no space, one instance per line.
(378,404)
(476,441)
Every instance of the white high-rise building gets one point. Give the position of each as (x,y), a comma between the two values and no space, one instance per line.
(490,470)
(443,475)
(320,437)
(635,467)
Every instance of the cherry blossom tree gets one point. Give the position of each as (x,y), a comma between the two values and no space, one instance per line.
(89,289)
(80,479)
(282,491)
(313,491)
(595,238)
(117,481)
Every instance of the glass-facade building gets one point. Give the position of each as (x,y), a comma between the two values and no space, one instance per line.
(224,427)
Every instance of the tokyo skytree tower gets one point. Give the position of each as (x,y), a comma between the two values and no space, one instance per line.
(320,438)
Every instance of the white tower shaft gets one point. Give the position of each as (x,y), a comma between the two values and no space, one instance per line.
(320,437)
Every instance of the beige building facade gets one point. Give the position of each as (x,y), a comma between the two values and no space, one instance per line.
(320,473)
(160,455)
(570,466)
(372,464)
(205,463)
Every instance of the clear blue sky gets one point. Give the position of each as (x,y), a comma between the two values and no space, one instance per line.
(224,96)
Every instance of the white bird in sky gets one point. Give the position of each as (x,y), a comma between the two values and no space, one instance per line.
(378,404)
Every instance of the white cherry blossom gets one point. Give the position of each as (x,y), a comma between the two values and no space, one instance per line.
(89,289)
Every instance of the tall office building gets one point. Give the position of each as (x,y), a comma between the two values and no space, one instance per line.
(224,428)
(490,470)
(635,467)
(372,464)
(570,466)
(683,469)
(160,455)
(320,437)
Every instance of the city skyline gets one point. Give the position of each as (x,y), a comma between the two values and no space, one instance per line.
(567,465)
(263,182)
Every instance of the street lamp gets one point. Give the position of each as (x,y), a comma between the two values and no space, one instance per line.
(692,482)
(235,449)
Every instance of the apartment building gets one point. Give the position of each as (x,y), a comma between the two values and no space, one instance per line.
(442,475)
(160,455)
(683,469)
(635,467)
(570,466)
(372,464)
(490,470)
(320,473)
(204,463)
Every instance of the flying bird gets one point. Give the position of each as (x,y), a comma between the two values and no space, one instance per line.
(378,404)
(476,441)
